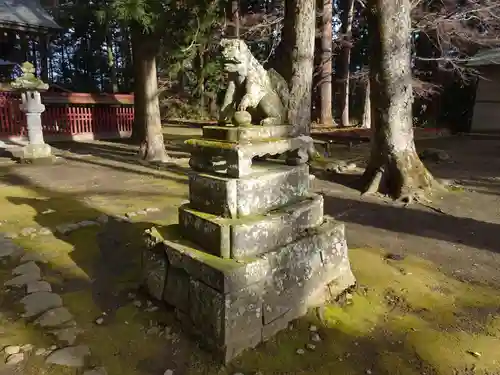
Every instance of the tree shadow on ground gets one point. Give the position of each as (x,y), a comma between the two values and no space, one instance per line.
(459,230)
(113,255)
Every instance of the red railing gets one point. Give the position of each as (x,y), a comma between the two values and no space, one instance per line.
(71,115)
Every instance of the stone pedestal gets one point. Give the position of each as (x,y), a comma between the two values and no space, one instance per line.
(252,250)
(37,149)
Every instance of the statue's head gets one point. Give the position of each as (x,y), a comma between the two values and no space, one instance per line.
(235,54)
(27,68)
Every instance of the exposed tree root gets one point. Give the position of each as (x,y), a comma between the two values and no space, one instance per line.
(403,177)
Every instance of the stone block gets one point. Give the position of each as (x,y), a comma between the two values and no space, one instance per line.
(303,269)
(225,318)
(246,134)
(235,159)
(254,235)
(176,291)
(209,231)
(272,185)
(223,275)
(154,270)
(270,329)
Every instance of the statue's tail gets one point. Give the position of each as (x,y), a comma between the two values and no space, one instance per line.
(280,86)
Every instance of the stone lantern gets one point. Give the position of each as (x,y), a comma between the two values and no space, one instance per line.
(31,104)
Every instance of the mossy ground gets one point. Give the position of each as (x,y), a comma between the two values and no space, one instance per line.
(407,317)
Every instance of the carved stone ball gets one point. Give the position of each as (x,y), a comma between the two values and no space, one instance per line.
(242,118)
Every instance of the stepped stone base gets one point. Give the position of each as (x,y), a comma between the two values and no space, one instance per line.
(251,235)
(271,185)
(246,134)
(232,305)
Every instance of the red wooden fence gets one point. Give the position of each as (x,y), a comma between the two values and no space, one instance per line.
(71,115)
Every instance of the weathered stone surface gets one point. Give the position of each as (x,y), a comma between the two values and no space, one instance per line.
(271,186)
(14,359)
(38,286)
(304,269)
(26,268)
(270,329)
(246,134)
(224,275)
(22,280)
(54,317)
(71,356)
(235,159)
(225,317)
(154,271)
(177,289)
(209,231)
(7,247)
(37,303)
(251,236)
(66,336)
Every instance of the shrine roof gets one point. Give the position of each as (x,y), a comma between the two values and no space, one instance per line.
(25,14)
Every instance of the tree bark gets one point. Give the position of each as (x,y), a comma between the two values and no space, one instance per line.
(394,167)
(147,125)
(299,29)
(367,118)
(111,61)
(234,19)
(326,116)
(344,60)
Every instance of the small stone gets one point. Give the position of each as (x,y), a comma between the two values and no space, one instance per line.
(300,351)
(99,321)
(27,231)
(53,347)
(45,231)
(14,359)
(474,354)
(48,211)
(393,256)
(137,303)
(238,373)
(131,214)
(96,371)
(27,348)
(131,295)
(152,209)
(368,372)
(311,346)
(313,328)
(40,352)
(11,235)
(38,286)
(103,219)
(67,336)
(71,356)
(12,349)
(142,212)
(86,223)
(315,337)
(26,268)
(21,280)
(7,249)
(152,309)
(37,303)
(54,318)
(168,372)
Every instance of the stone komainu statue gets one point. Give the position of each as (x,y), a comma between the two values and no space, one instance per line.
(263,93)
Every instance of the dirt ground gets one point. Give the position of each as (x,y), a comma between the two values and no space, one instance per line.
(434,308)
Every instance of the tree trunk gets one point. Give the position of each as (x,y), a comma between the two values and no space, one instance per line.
(300,24)
(147,125)
(394,167)
(326,116)
(234,19)
(344,60)
(111,61)
(367,118)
